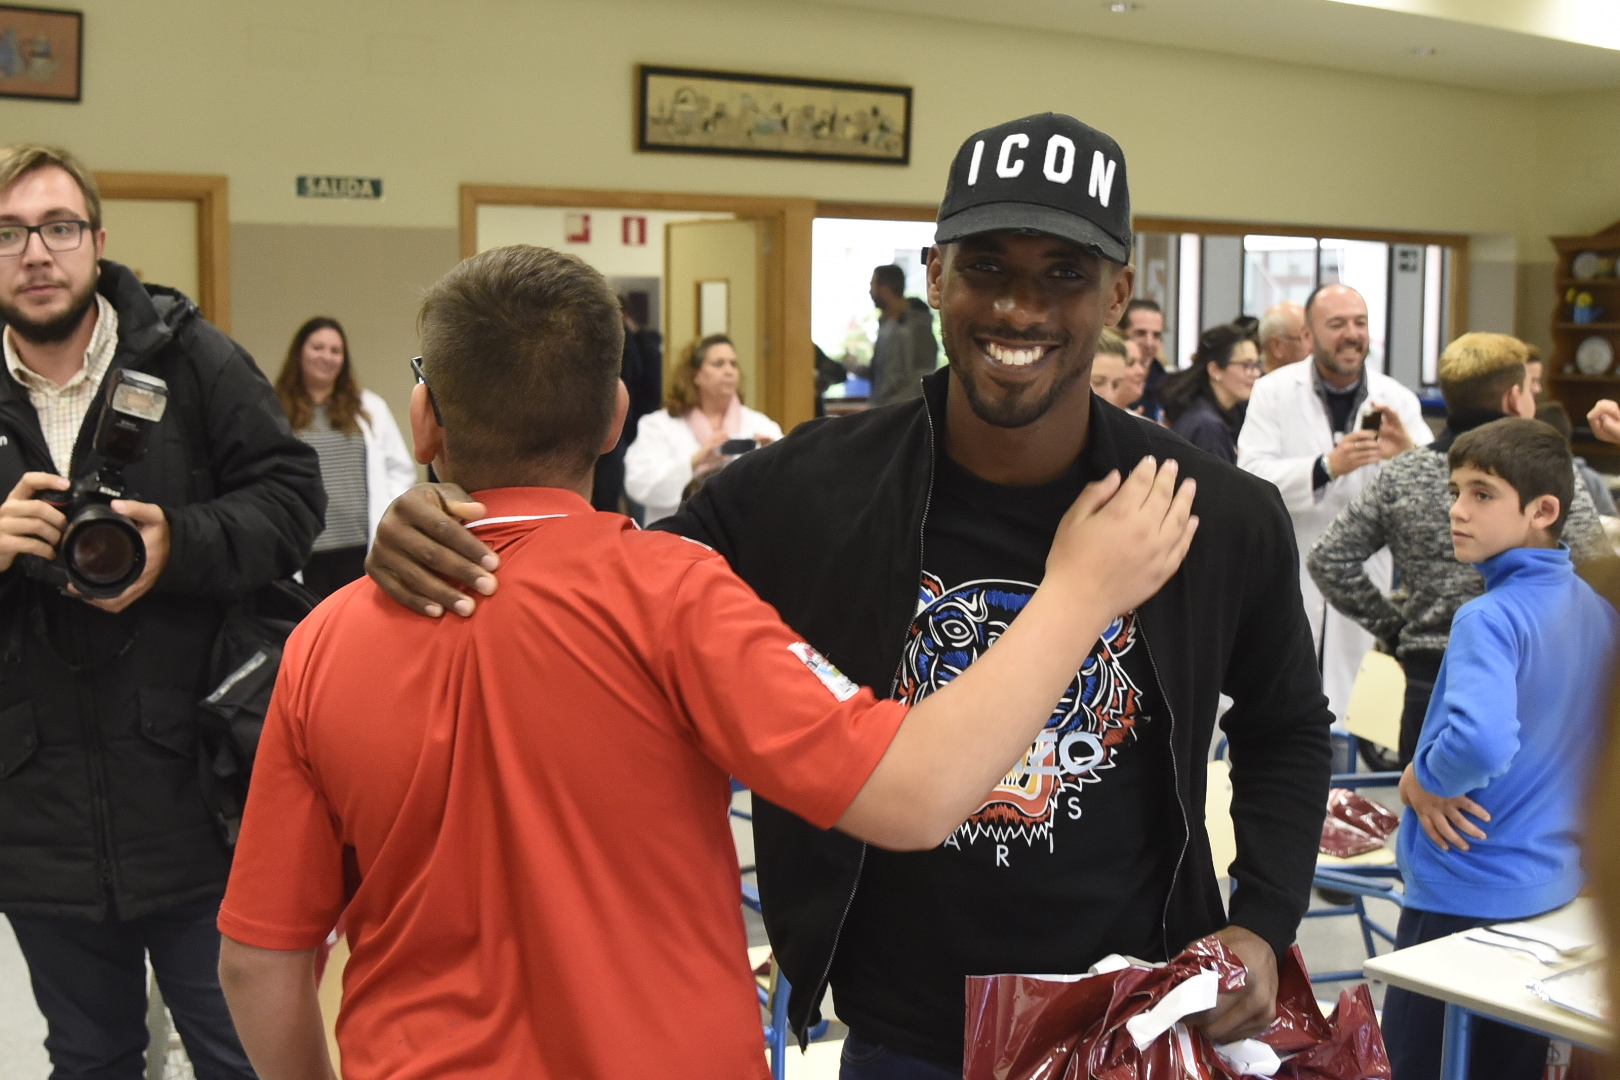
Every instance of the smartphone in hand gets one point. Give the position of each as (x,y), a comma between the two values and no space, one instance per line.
(1372,421)
(733,447)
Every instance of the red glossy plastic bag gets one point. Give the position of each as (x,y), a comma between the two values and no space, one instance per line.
(1127,1024)
(1355,824)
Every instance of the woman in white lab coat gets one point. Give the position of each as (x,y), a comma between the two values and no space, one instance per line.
(703,413)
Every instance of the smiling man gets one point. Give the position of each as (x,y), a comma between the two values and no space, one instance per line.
(1095,844)
(1308,430)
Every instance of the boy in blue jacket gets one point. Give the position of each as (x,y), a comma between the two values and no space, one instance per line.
(1514,718)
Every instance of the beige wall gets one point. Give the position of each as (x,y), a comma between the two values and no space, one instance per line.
(428,94)
(1577,156)
(1577,159)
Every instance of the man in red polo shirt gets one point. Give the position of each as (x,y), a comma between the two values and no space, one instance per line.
(524,815)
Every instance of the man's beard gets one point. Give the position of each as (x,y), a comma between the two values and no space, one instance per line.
(1014,408)
(1330,363)
(52,330)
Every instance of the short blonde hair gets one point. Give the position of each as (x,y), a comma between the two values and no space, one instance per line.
(20,159)
(1112,342)
(1478,368)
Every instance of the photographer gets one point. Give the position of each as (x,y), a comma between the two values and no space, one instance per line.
(109,853)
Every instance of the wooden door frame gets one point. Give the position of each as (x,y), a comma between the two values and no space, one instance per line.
(212,196)
(878,211)
(788,366)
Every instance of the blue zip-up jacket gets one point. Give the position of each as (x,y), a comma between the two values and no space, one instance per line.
(1514,723)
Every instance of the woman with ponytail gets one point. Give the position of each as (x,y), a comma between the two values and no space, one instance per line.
(1205,403)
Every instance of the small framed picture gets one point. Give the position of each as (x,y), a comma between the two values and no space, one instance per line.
(684,111)
(41,53)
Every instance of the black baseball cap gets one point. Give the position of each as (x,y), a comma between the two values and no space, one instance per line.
(1046,174)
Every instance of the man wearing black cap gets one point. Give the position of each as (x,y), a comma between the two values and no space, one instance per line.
(1096,844)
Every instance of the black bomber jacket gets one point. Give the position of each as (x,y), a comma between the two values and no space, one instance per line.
(827,526)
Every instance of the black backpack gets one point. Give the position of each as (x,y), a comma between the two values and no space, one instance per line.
(247,652)
(242,671)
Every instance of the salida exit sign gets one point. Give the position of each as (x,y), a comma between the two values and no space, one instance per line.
(340,187)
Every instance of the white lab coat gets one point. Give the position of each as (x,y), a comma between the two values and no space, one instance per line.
(390,468)
(658,465)
(1285,431)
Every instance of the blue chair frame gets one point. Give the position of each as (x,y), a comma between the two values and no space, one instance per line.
(774,998)
(1361,882)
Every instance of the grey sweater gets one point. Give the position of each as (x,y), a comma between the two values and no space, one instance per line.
(1406,508)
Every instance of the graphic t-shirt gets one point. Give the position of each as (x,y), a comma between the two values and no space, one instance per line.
(1069,859)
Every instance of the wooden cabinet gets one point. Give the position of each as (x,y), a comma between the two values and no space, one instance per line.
(1594,275)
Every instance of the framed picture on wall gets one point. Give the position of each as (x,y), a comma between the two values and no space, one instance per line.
(685,111)
(41,53)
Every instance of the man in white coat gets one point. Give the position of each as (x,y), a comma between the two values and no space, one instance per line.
(1306,432)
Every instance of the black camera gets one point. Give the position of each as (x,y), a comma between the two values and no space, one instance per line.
(101,552)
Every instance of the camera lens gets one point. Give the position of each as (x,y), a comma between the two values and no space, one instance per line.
(103,551)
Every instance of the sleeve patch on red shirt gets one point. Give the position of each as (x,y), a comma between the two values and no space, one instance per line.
(836,682)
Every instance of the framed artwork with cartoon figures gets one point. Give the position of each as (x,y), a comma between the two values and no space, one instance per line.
(685,111)
(41,53)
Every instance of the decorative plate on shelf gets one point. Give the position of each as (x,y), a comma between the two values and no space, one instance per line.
(1585,265)
(1594,356)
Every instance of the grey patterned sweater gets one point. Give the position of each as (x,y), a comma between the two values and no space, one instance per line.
(1406,508)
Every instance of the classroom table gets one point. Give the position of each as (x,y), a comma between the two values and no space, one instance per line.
(1474,979)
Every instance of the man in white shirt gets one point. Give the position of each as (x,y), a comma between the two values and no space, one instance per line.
(1308,430)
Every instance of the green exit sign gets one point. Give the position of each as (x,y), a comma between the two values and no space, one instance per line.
(340,187)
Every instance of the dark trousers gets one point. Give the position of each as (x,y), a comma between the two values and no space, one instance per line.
(328,571)
(866,1060)
(90,982)
(1421,671)
(1414,1025)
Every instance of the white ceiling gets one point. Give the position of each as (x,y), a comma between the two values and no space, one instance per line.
(1518,46)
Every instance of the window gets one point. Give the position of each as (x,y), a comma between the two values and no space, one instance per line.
(1203,278)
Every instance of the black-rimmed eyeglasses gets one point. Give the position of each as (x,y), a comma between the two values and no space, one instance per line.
(57,236)
(416,369)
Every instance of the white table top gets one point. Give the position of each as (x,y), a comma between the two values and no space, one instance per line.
(1491,981)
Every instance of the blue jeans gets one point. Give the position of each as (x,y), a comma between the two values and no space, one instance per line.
(867,1060)
(1414,1025)
(90,982)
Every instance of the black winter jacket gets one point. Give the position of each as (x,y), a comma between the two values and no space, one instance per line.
(827,525)
(99,776)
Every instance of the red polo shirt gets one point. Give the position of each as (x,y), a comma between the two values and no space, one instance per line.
(535,800)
